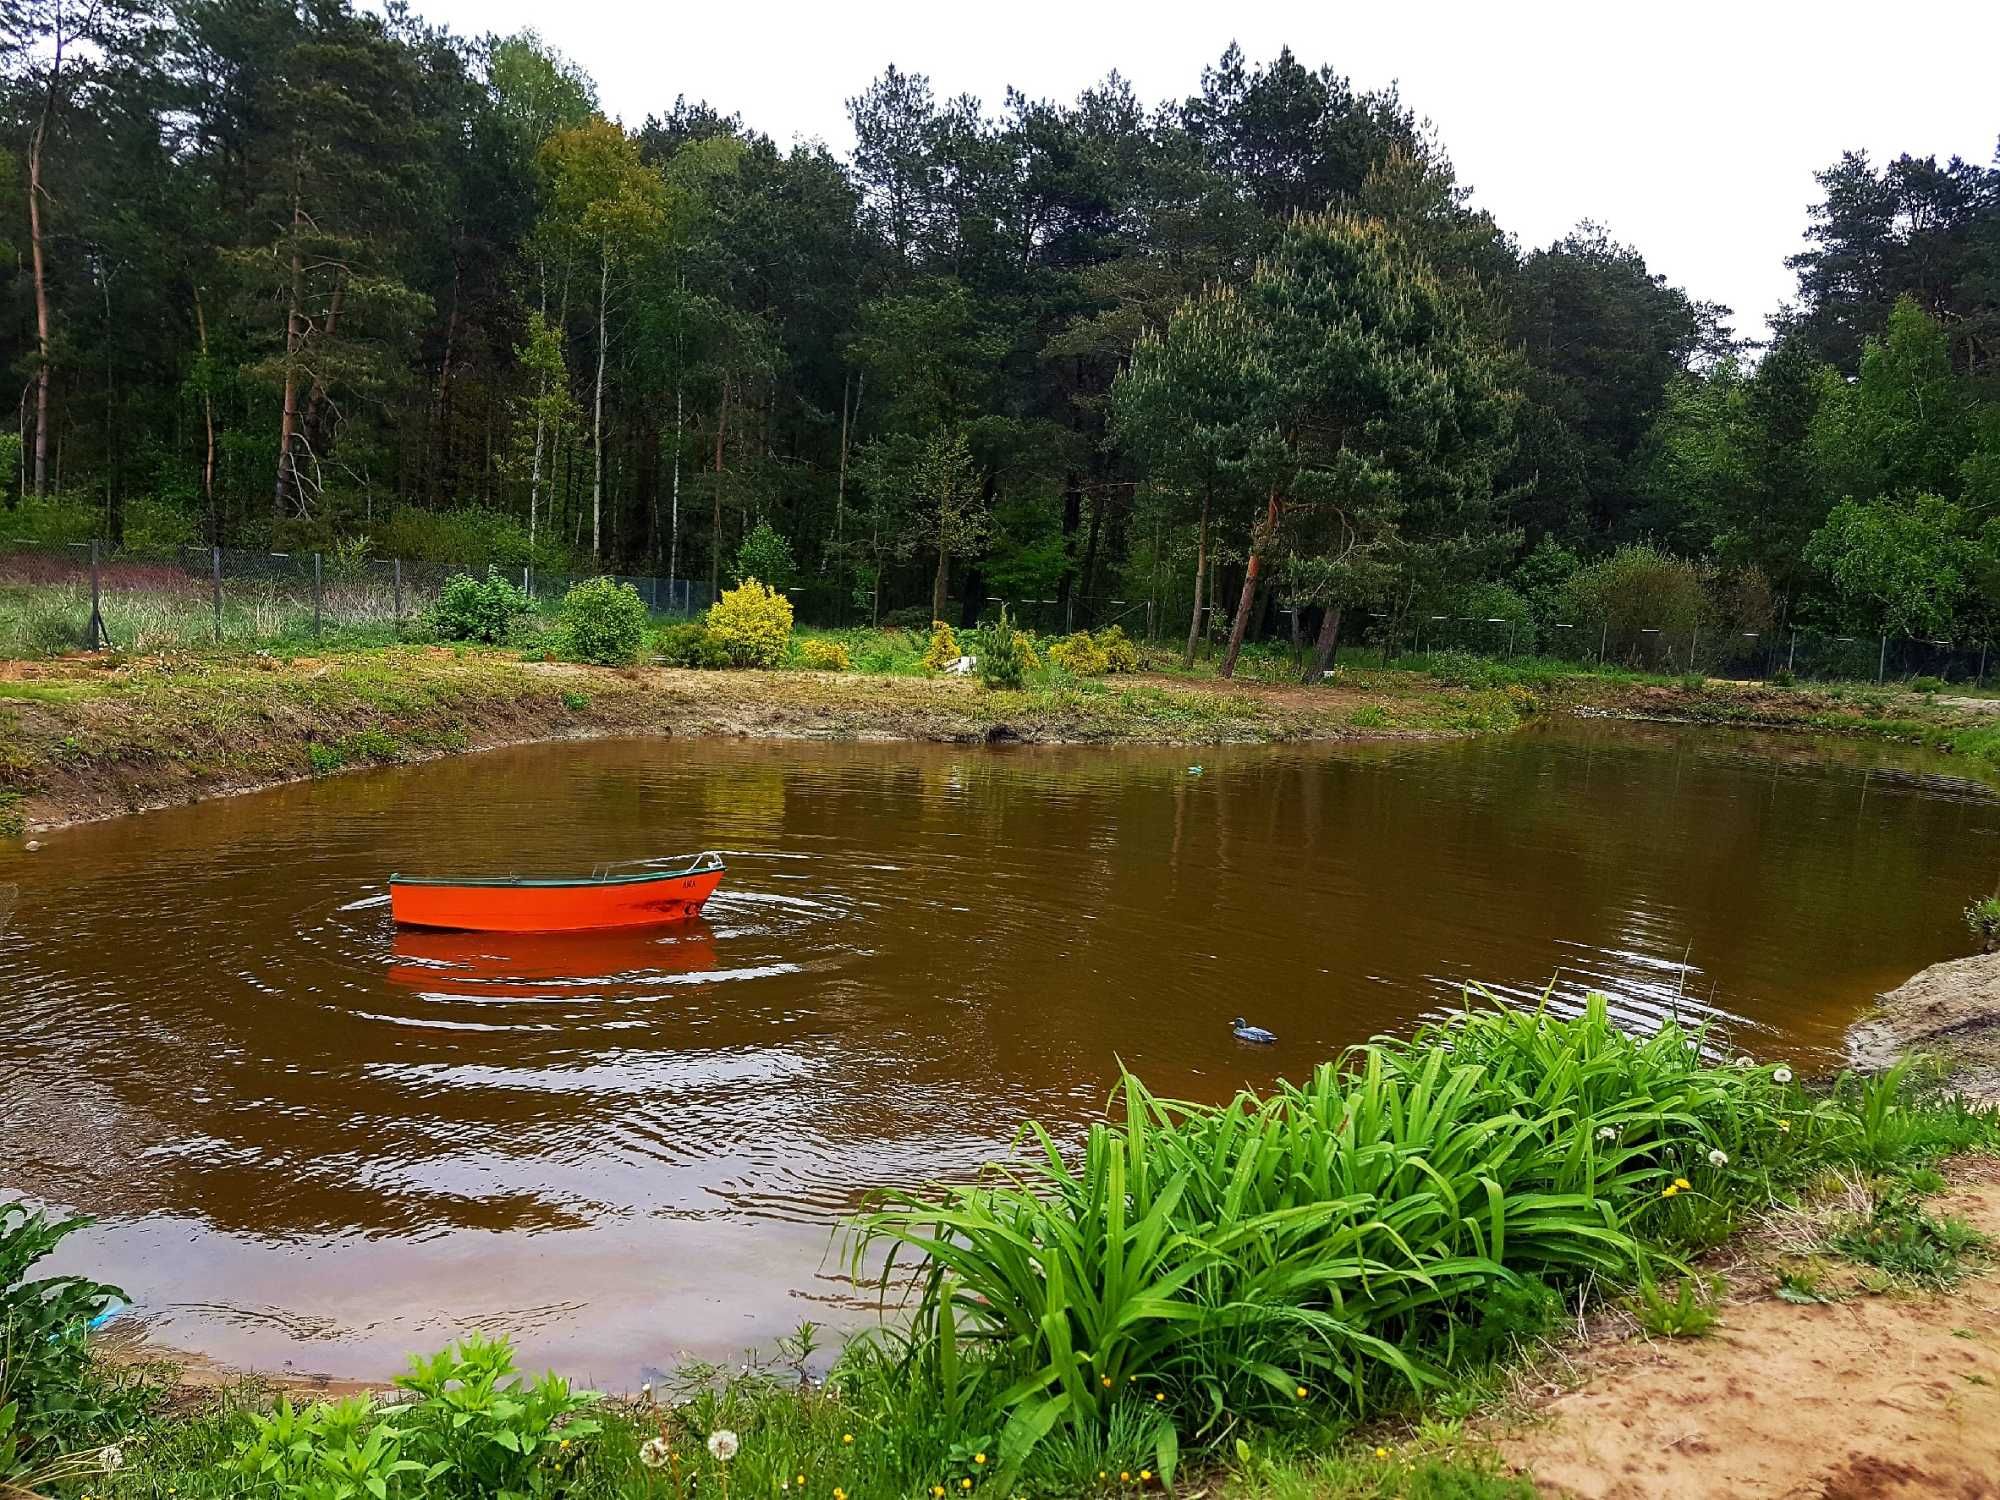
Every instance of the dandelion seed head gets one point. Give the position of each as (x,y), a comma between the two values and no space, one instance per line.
(1718,1157)
(653,1452)
(1782,1075)
(722,1444)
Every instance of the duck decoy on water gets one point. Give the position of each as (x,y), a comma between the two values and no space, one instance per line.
(1245,1032)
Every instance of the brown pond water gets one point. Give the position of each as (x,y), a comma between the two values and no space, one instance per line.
(313,1142)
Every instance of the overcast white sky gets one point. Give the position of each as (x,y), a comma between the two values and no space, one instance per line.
(1690,130)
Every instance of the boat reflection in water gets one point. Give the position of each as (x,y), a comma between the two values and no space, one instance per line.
(549,965)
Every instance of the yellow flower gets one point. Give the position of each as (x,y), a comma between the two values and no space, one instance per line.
(802,1481)
(979,1458)
(1144,1475)
(965,1484)
(1681,1183)
(1668,1191)
(1159,1395)
(839,1493)
(1124,1476)
(847,1437)
(1300,1393)
(937,1491)
(564,1444)
(1107,1381)
(1786,1126)
(1381,1452)
(1102,1475)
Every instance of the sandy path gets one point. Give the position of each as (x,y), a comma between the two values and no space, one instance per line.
(1882,1397)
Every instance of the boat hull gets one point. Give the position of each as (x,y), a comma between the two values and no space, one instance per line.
(551,905)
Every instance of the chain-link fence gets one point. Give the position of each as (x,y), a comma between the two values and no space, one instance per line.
(1750,656)
(62,597)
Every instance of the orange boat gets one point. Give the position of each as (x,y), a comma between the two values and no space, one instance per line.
(668,890)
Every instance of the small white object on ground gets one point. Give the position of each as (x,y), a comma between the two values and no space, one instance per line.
(963,667)
(32,845)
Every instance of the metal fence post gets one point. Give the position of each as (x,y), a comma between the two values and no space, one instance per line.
(1603,637)
(1882,663)
(216,577)
(1792,656)
(317,591)
(1694,645)
(99,636)
(398,591)
(1980,680)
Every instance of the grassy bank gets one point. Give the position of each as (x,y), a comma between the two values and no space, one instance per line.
(88,737)
(84,737)
(1305,1292)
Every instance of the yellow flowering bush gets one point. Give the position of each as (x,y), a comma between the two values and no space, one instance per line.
(824,656)
(1118,649)
(752,623)
(1080,656)
(943,649)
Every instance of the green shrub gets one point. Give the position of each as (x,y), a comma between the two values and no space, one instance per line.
(1120,655)
(159,528)
(1982,920)
(1928,686)
(48,1387)
(474,609)
(691,644)
(752,623)
(1080,656)
(825,656)
(943,648)
(765,555)
(1784,677)
(575,702)
(471,1428)
(602,620)
(1002,661)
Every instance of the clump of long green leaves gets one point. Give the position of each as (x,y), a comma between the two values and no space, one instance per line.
(1336,1241)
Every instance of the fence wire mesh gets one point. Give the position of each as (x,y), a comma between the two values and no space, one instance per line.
(57,597)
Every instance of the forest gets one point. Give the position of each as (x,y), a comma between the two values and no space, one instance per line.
(283,274)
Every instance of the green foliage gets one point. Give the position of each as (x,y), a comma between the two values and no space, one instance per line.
(1334,1242)
(1638,587)
(825,656)
(1901,566)
(1982,920)
(470,1428)
(1898,1237)
(1080,655)
(1120,655)
(765,555)
(574,701)
(942,649)
(472,609)
(1689,1312)
(51,1398)
(602,620)
(753,624)
(1002,662)
(690,643)
(159,528)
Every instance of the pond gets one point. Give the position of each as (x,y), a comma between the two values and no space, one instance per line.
(312,1142)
